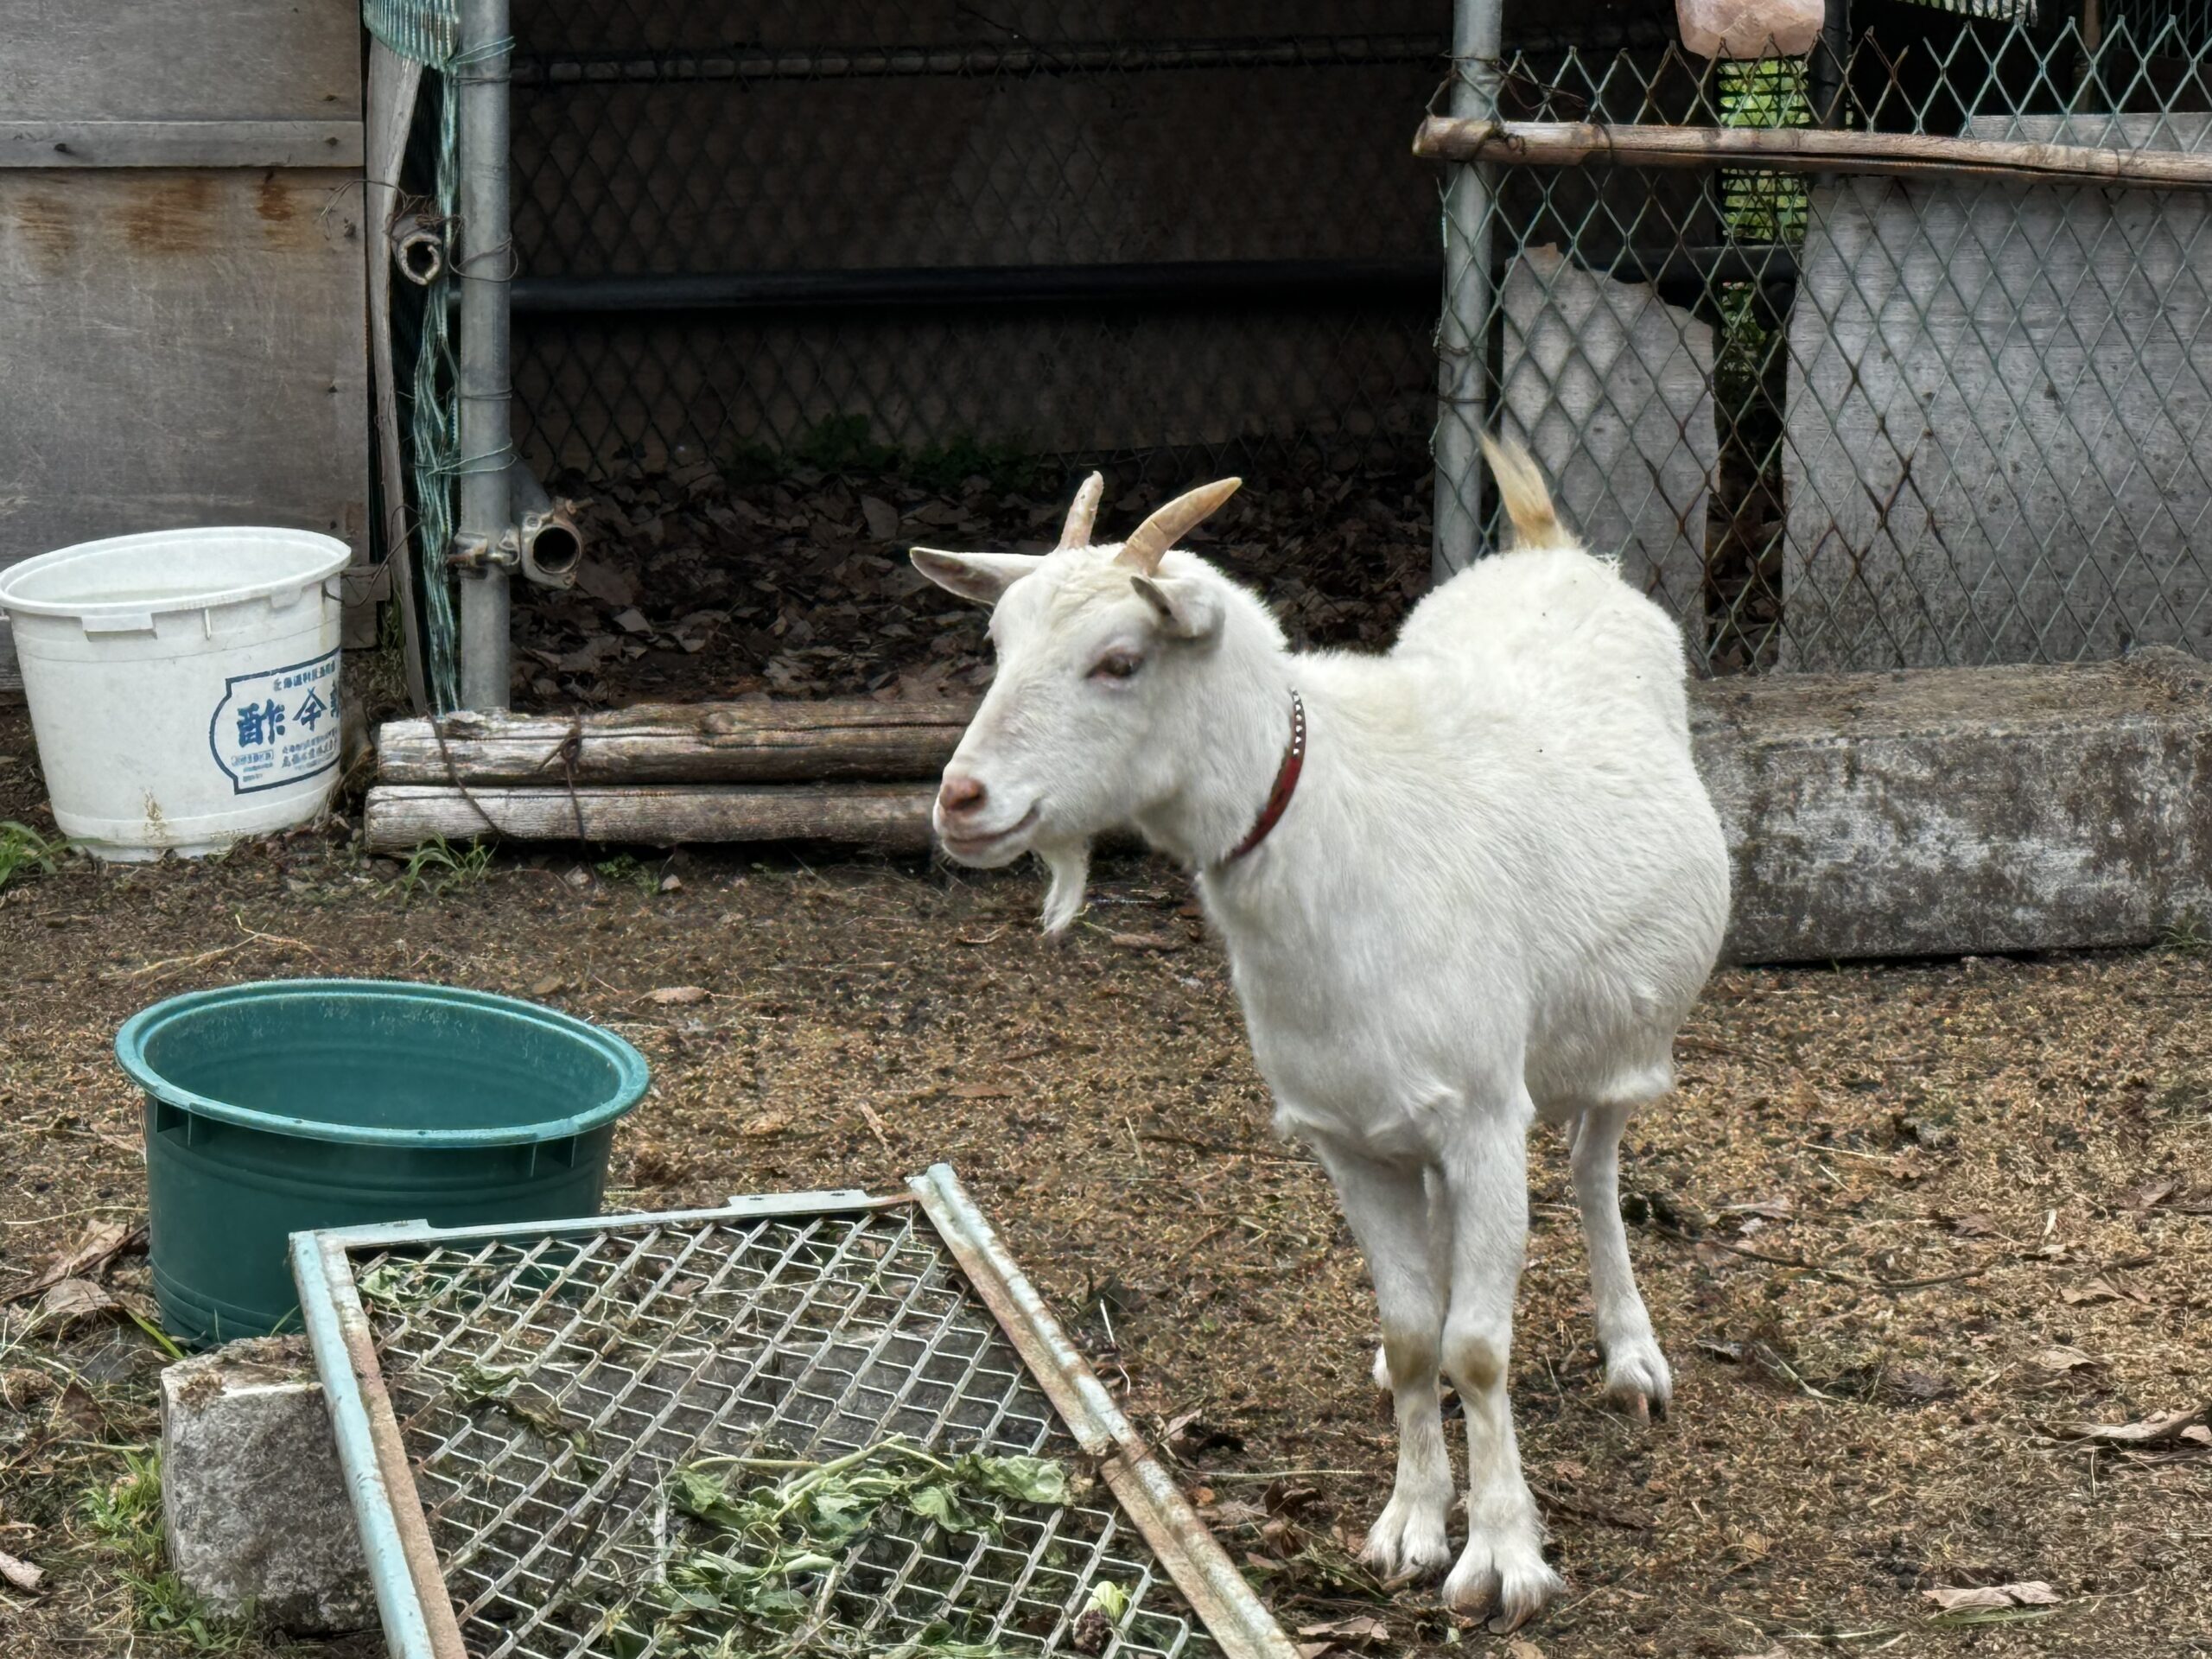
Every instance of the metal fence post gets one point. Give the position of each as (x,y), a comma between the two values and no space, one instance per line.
(484,268)
(1463,332)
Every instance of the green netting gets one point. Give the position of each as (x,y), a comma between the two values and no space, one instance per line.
(427,32)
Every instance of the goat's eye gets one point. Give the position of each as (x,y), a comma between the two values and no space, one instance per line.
(1117,666)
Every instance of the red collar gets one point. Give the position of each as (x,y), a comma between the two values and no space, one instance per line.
(1286,785)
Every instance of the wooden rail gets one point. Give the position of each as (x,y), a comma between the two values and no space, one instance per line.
(1807,150)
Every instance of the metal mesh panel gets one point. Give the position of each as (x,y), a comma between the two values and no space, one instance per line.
(626,1354)
(1844,422)
(1040,228)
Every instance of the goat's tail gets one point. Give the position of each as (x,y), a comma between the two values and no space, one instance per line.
(1528,503)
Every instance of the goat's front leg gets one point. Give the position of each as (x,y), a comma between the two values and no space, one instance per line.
(1383,1204)
(1486,1183)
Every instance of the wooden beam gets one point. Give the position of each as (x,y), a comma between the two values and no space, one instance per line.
(895,816)
(1806,149)
(678,743)
(181,143)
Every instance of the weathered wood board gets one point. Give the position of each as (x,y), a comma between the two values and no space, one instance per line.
(1997,398)
(895,816)
(1610,389)
(185,347)
(671,743)
(171,60)
(183,327)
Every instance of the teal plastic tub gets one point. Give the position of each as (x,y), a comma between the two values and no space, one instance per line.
(278,1108)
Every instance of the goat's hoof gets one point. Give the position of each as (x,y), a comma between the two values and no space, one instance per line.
(1407,1543)
(1503,1574)
(1638,1380)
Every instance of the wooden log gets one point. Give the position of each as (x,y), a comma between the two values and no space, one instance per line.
(679,743)
(1806,149)
(895,816)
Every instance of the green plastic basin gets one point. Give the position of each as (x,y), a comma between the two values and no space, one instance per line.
(276,1108)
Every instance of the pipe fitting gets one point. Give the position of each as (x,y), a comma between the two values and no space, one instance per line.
(550,543)
(418,248)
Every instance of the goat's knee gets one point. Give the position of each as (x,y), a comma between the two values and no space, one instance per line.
(1476,1352)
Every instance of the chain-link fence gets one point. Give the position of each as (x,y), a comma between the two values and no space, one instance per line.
(822,234)
(1839,419)
(1852,419)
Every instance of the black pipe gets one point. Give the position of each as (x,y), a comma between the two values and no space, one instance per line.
(1246,282)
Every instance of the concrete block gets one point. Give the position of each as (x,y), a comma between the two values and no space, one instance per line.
(1947,811)
(253,1504)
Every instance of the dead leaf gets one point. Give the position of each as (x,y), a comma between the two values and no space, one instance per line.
(1779,1209)
(671,884)
(1364,1629)
(1162,942)
(883,517)
(2197,1435)
(1977,1225)
(2153,1192)
(99,1243)
(22,1387)
(1520,1647)
(2033,1593)
(1234,1512)
(2099,1289)
(548,985)
(1316,1650)
(75,1298)
(606,584)
(766,1123)
(21,1574)
(2148,1432)
(632,621)
(2062,1359)
(677,996)
(982,1091)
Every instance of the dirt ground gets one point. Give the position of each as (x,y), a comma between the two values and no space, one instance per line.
(1905,1225)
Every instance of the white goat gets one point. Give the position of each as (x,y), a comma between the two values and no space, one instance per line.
(1489,895)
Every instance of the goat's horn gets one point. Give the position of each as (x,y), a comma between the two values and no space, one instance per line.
(1082,513)
(1172,523)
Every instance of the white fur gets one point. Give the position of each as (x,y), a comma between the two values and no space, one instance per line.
(1495,895)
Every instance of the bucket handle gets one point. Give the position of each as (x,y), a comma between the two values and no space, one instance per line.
(562,1152)
(168,1119)
(119,622)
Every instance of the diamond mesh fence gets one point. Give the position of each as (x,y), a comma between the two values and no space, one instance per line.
(796,231)
(1865,422)
(561,1397)
(1829,420)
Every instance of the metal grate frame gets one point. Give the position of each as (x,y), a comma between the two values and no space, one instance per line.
(509,1403)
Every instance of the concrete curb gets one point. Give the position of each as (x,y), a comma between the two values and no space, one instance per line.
(1948,811)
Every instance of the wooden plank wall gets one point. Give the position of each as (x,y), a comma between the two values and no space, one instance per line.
(181,248)
(1997,399)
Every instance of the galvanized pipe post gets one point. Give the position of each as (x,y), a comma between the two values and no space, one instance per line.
(1463,332)
(483,268)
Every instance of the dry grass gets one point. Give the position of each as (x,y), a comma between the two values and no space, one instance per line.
(1884,1194)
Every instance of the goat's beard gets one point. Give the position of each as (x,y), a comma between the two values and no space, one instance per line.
(1070,864)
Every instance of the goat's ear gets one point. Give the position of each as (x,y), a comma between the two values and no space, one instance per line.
(979,576)
(1186,609)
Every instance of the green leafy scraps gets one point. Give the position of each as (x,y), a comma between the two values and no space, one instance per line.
(758,1574)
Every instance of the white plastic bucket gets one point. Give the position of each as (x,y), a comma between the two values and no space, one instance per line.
(184,685)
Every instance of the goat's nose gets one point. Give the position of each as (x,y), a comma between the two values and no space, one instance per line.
(960,794)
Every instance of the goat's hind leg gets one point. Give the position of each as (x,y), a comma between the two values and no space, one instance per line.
(1486,1180)
(1636,1376)
(1385,1207)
